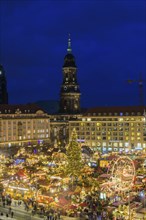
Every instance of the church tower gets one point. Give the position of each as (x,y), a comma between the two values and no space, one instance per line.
(70,91)
(3,87)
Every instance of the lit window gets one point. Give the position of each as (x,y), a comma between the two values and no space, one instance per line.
(121,144)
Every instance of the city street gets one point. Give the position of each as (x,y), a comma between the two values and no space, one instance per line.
(21,214)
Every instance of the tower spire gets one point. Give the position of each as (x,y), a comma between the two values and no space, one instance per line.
(69,50)
(70,90)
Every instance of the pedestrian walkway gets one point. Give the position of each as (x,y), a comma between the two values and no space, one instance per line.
(21,210)
(6,218)
(19,213)
(68,218)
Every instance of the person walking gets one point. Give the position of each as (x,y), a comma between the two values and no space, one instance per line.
(10,210)
(12,214)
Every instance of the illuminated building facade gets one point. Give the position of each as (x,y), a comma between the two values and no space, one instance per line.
(59,128)
(3,87)
(23,124)
(112,128)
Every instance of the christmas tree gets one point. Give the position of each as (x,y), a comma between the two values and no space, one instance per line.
(74,158)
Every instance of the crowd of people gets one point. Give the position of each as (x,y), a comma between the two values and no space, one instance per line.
(91,212)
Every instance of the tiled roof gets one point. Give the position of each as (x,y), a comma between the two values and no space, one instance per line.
(25,109)
(116,109)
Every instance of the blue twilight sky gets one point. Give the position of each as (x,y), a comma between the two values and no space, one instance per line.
(108,42)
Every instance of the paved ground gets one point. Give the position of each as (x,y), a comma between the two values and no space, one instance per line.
(21,214)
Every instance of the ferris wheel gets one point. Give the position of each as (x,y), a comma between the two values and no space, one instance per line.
(123,173)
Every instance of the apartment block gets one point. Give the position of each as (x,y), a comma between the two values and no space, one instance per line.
(112,128)
(23,124)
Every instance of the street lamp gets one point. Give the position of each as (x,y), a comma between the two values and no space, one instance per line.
(129,203)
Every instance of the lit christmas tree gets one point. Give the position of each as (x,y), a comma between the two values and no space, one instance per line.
(74,159)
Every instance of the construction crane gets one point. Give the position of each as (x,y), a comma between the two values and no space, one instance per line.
(141,88)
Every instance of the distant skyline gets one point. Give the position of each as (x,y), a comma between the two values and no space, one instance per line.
(108,41)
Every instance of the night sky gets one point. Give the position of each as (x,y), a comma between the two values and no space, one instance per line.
(108,41)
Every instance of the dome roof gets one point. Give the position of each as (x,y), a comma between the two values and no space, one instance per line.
(69,60)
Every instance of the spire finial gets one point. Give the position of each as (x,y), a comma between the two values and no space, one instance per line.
(69,50)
